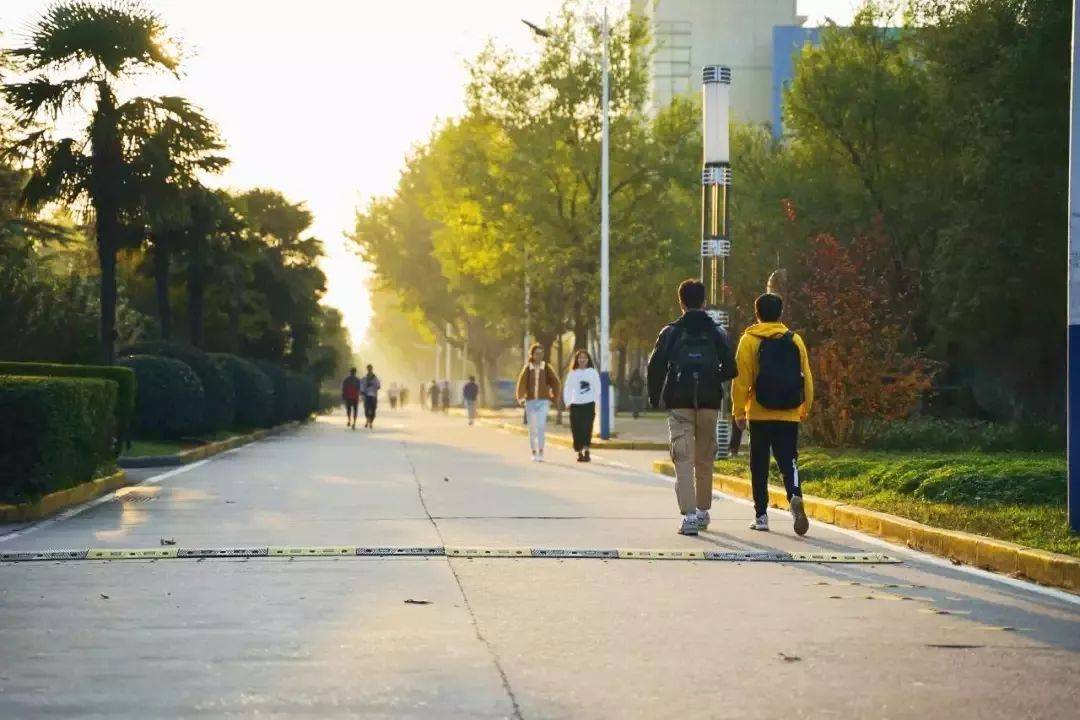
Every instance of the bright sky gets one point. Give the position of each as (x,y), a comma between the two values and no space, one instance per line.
(322,99)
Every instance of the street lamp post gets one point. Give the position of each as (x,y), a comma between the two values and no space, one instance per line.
(715,207)
(1072,392)
(607,415)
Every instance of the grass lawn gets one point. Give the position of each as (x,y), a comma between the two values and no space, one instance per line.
(144,448)
(1019,497)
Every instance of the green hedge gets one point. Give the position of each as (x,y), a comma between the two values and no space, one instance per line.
(123,377)
(303,395)
(931,434)
(55,433)
(254,391)
(219,408)
(280,379)
(170,403)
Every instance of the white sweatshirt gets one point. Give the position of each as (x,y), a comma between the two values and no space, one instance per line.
(582,386)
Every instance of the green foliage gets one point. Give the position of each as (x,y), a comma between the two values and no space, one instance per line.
(303,395)
(282,402)
(219,408)
(170,401)
(932,435)
(254,391)
(57,433)
(124,402)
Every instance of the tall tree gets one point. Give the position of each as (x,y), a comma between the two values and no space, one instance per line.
(82,50)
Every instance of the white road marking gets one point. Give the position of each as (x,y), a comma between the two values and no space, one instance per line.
(78,509)
(1062,595)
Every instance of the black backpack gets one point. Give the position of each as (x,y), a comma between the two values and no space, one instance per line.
(693,376)
(779,384)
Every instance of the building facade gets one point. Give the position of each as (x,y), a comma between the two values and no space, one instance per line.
(689,34)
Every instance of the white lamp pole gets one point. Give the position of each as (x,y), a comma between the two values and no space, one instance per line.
(607,416)
(715,206)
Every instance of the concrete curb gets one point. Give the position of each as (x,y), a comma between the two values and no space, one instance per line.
(63,499)
(203,451)
(597,444)
(1044,567)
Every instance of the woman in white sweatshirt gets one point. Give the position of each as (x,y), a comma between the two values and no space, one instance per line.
(580,392)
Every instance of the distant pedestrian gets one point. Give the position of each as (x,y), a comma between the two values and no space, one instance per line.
(537,388)
(580,391)
(371,385)
(351,390)
(691,360)
(773,392)
(636,386)
(423,396)
(403,396)
(471,392)
(444,396)
(392,395)
(433,396)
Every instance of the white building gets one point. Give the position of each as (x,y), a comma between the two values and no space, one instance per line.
(689,34)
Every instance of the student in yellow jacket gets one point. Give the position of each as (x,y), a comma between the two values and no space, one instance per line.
(773,391)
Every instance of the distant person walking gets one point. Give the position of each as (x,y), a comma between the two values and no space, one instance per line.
(351,390)
(636,386)
(691,360)
(403,396)
(471,392)
(433,396)
(392,394)
(773,393)
(580,392)
(537,388)
(423,396)
(371,385)
(444,396)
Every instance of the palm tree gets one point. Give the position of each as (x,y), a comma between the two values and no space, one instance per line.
(80,50)
(170,144)
(215,229)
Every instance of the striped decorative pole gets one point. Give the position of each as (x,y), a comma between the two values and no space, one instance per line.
(715,207)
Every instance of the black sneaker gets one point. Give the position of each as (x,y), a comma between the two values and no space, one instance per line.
(802,523)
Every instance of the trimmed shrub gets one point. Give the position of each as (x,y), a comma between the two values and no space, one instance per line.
(280,379)
(54,433)
(254,391)
(219,408)
(170,403)
(328,400)
(122,376)
(954,435)
(302,395)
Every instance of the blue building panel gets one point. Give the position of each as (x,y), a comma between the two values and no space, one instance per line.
(788,40)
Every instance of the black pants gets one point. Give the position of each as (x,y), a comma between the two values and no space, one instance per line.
(581,422)
(370,403)
(780,440)
(350,409)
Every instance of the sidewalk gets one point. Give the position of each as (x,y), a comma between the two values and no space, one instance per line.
(646,432)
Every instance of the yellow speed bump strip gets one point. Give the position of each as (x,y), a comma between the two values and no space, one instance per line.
(352,551)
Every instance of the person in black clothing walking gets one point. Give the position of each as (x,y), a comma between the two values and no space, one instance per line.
(690,362)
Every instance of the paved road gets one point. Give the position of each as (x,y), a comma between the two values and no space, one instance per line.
(532,638)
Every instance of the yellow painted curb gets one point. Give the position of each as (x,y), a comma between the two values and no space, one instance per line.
(62,499)
(977,550)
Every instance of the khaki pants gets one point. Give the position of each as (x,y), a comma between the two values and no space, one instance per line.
(693,450)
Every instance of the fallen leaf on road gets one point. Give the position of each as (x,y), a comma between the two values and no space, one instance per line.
(956,562)
(410,601)
(230,502)
(446,479)
(789,658)
(104,596)
(168,541)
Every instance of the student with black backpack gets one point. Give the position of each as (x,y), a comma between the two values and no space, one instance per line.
(773,391)
(688,366)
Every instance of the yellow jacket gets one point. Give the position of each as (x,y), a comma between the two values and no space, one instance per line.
(743,402)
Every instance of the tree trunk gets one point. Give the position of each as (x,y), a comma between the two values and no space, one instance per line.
(196,287)
(162,260)
(107,261)
(581,330)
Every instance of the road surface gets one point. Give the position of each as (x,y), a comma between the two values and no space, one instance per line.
(529,638)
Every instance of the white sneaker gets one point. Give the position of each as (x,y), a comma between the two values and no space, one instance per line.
(533,458)
(689,524)
(703,519)
(761,523)
(540,456)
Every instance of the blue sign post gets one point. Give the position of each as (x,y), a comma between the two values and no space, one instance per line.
(1073,353)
